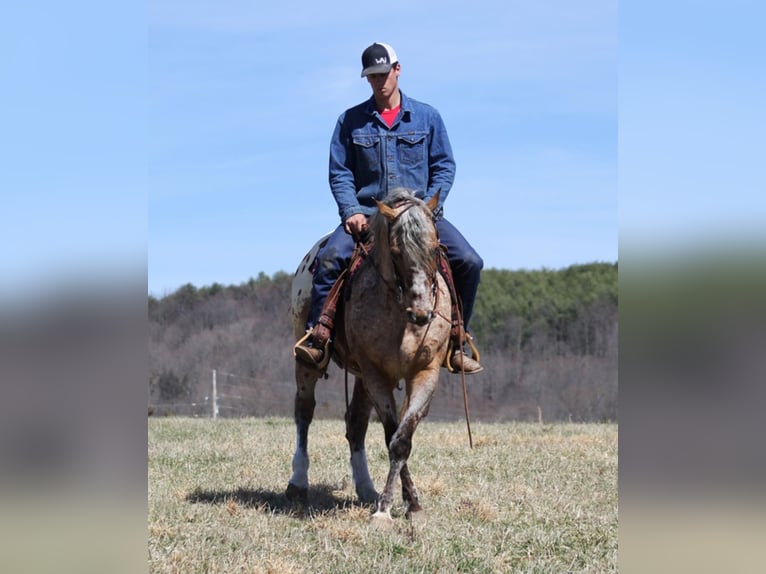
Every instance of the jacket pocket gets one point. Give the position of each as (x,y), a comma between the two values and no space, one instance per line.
(367,151)
(412,149)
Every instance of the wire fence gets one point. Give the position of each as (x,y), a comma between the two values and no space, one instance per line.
(230,395)
(579,389)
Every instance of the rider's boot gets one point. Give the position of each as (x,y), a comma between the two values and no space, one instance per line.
(459,361)
(313,349)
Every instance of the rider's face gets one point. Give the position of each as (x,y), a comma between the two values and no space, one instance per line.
(385,84)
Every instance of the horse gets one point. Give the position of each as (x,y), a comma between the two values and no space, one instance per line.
(395,325)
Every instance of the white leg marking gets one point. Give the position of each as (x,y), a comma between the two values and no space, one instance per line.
(365,489)
(300,469)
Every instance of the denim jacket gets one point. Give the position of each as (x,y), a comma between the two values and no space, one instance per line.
(367,158)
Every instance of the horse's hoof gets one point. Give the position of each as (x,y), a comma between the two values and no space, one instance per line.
(382,520)
(416,515)
(297,494)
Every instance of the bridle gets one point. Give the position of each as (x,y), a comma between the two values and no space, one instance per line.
(397,287)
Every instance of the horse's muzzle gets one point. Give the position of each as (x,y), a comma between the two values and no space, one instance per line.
(419,318)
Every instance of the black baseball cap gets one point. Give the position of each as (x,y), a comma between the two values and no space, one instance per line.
(378,59)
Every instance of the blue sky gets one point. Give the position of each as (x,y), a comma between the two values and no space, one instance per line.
(244,96)
(188,141)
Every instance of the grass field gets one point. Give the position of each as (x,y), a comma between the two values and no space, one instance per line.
(527,498)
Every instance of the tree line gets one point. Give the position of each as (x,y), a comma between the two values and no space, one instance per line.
(548,340)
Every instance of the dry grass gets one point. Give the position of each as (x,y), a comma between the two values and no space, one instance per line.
(527,498)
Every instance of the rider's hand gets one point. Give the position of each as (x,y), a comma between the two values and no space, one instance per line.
(356,225)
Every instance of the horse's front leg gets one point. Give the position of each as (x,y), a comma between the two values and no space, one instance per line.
(409,492)
(357,421)
(420,391)
(305,378)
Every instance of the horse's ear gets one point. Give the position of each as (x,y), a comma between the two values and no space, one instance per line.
(388,212)
(433,203)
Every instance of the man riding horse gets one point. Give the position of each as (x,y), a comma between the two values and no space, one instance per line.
(389,141)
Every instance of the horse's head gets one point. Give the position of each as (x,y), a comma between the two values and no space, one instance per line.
(406,235)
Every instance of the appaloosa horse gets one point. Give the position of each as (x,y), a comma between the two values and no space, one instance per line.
(394,325)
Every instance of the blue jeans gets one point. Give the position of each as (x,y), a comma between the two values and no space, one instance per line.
(334,257)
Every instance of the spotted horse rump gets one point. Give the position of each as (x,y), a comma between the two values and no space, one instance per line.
(300,299)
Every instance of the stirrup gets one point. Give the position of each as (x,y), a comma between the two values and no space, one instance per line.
(322,365)
(451,348)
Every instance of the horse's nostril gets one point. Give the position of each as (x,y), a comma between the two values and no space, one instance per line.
(421,318)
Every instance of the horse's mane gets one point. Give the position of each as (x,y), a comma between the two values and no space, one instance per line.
(410,231)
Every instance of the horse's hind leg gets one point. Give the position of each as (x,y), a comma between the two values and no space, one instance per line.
(305,378)
(382,397)
(357,421)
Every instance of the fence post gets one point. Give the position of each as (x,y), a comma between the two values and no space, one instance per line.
(215,397)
